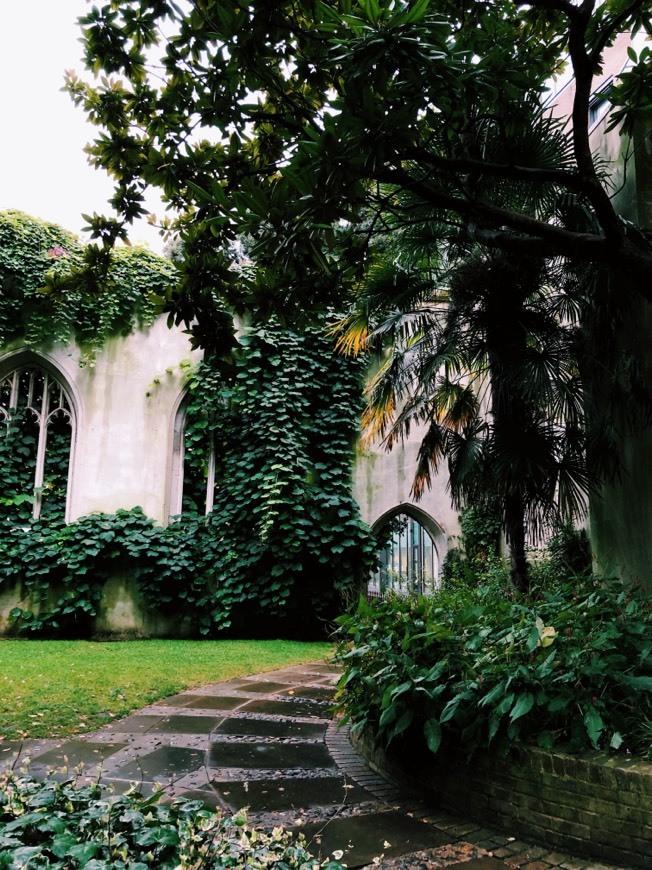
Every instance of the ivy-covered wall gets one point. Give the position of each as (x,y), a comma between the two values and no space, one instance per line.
(46,300)
(107,345)
(284,543)
(284,421)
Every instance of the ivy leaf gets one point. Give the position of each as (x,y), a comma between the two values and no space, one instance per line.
(616,740)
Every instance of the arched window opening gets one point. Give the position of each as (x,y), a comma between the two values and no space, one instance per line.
(193,469)
(35,442)
(198,493)
(408,561)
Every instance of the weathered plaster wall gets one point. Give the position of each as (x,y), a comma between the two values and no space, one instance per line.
(124,407)
(382,481)
(124,448)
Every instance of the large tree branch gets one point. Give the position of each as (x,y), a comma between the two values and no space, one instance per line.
(583,64)
(572,181)
(583,68)
(502,228)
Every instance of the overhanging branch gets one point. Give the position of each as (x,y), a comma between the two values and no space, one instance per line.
(501,228)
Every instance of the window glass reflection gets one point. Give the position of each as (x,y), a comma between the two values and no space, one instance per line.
(408,560)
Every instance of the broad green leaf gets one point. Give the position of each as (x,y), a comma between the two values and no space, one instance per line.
(616,740)
(433,734)
(523,705)
(594,726)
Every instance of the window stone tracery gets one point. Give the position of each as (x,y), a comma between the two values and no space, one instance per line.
(36,416)
(408,560)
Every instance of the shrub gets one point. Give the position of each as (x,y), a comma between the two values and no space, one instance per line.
(478,556)
(66,825)
(474,668)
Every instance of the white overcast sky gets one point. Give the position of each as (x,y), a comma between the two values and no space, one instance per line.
(43,169)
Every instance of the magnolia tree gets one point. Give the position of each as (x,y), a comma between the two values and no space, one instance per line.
(317,130)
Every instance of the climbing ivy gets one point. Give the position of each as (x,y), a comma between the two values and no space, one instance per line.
(62,569)
(479,553)
(19,436)
(284,544)
(282,419)
(42,303)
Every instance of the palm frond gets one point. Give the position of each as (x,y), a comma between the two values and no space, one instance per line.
(432,450)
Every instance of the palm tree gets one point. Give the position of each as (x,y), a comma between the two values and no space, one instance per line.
(481,354)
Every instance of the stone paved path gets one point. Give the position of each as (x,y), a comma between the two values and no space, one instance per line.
(268,742)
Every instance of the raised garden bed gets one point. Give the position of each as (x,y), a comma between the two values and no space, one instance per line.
(595,805)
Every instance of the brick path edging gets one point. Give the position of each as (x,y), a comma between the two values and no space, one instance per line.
(593,805)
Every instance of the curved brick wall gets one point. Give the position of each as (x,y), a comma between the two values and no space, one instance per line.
(594,805)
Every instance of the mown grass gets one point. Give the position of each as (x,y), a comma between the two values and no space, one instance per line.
(52,688)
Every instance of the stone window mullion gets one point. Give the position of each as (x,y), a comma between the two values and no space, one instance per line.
(31,394)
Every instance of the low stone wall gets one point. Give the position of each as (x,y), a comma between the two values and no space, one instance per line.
(594,805)
(121,613)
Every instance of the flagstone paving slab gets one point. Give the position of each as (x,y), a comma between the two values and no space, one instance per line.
(314,693)
(166,763)
(266,686)
(459,854)
(363,838)
(282,755)
(271,728)
(70,755)
(216,702)
(185,725)
(181,700)
(280,794)
(289,708)
(136,724)
(12,750)
(274,756)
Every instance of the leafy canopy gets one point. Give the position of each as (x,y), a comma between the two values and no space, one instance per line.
(283,121)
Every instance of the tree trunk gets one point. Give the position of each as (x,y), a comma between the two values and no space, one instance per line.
(515,533)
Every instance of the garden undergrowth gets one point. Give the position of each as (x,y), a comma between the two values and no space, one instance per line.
(478,667)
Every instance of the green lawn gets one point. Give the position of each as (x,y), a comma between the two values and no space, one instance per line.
(51,688)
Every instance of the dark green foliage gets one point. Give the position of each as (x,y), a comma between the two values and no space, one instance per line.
(17,458)
(479,551)
(42,302)
(284,544)
(317,111)
(291,543)
(480,527)
(477,669)
(67,825)
(567,554)
(19,446)
(570,551)
(478,355)
(64,567)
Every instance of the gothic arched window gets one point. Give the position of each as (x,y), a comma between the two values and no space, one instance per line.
(193,472)
(408,560)
(35,443)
